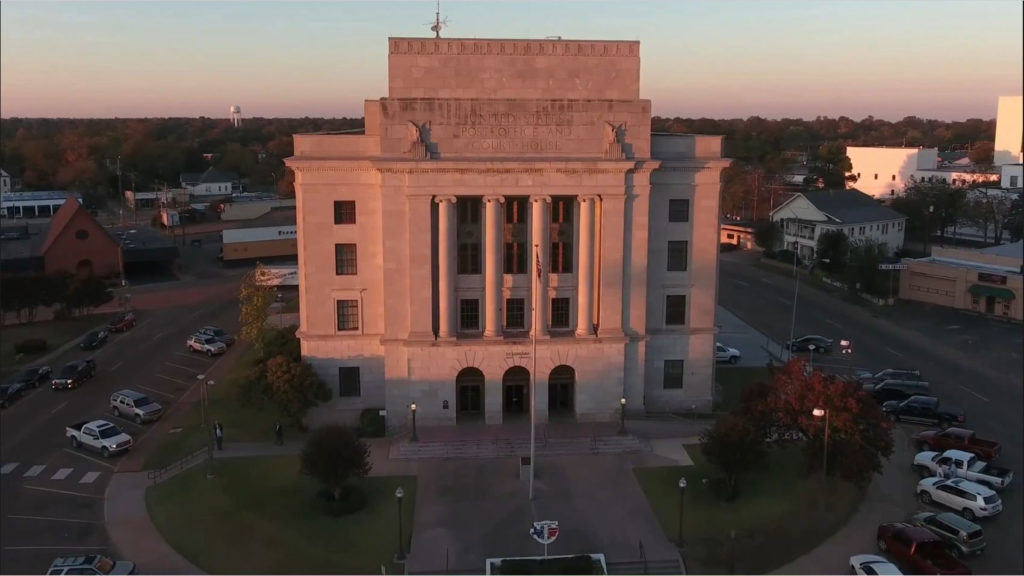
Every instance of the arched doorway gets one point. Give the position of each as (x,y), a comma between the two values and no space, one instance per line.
(562,390)
(469,394)
(84,268)
(515,387)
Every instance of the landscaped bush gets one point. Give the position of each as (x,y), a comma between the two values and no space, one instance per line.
(351,499)
(581,564)
(371,424)
(30,346)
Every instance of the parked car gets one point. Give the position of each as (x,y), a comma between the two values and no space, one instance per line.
(957,439)
(98,435)
(917,549)
(888,374)
(821,344)
(73,374)
(91,564)
(33,376)
(963,537)
(972,500)
(208,344)
(94,340)
(897,390)
(923,410)
(217,333)
(871,565)
(135,406)
(960,464)
(726,354)
(10,392)
(122,322)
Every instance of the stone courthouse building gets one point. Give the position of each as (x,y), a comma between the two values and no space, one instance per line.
(416,240)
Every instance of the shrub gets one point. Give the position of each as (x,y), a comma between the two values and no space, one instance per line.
(371,424)
(30,346)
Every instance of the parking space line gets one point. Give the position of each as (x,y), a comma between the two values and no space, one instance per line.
(100,462)
(34,471)
(836,324)
(741,283)
(781,299)
(61,474)
(89,477)
(54,519)
(191,356)
(154,390)
(68,492)
(116,366)
(175,380)
(193,370)
(7,468)
(61,405)
(894,352)
(973,392)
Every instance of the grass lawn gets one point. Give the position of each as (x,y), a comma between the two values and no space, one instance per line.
(261,516)
(778,516)
(56,332)
(733,381)
(241,423)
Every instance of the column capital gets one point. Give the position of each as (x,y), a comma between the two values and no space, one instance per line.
(541,198)
(498,199)
(443,199)
(588,197)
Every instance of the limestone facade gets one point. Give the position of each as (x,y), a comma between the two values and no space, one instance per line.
(488,161)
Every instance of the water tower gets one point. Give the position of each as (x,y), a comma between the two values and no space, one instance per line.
(236,115)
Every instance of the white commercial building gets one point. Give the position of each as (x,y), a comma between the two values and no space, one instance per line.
(495,174)
(883,172)
(1009,130)
(5,182)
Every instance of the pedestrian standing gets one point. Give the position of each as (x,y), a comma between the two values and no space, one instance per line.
(279,434)
(218,433)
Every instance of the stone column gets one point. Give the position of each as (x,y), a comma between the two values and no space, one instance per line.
(493,265)
(585,274)
(541,222)
(446,248)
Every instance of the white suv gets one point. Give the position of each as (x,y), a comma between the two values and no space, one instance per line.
(970,499)
(203,343)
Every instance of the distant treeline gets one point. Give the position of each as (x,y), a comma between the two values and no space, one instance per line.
(81,154)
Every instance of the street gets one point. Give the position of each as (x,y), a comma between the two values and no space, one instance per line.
(52,494)
(970,362)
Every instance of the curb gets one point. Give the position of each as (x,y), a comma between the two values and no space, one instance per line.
(72,343)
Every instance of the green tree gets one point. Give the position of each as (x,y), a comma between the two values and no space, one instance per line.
(334,455)
(282,342)
(294,388)
(767,235)
(1014,225)
(254,298)
(834,246)
(861,273)
(735,447)
(832,166)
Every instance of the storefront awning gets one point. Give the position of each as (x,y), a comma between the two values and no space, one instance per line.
(994,291)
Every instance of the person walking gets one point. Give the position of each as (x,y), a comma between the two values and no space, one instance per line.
(279,434)
(218,434)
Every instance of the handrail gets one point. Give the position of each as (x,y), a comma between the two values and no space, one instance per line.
(178,465)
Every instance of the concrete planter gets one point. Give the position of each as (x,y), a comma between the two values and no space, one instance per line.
(494,563)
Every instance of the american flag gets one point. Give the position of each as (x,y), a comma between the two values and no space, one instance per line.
(536,259)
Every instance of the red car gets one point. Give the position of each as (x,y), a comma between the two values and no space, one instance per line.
(957,439)
(122,322)
(917,550)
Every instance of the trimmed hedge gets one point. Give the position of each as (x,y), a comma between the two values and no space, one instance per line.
(371,424)
(30,346)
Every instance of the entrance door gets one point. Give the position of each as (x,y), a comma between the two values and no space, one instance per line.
(990,305)
(561,390)
(516,391)
(469,393)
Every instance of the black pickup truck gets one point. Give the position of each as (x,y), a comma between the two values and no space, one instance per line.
(924,410)
(73,374)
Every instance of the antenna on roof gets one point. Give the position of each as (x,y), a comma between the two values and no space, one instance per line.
(438,23)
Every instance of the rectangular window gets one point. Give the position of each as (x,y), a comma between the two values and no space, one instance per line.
(345,259)
(673,378)
(876,176)
(675,310)
(893,177)
(469,315)
(515,258)
(560,313)
(679,210)
(677,255)
(348,315)
(861,231)
(1013,181)
(561,257)
(562,233)
(515,314)
(344,211)
(469,258)
(348,382)
(514,235)
(469,210)
(469,235)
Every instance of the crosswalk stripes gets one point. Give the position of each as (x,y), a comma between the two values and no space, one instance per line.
(8,468)
(61,474)
(89,477)
(36,471)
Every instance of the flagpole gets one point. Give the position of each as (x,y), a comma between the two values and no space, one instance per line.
(533,373)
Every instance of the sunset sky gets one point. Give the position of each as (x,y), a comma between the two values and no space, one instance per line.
(934,59)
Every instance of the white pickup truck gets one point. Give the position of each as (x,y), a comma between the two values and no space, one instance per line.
(960,464)
(99,435)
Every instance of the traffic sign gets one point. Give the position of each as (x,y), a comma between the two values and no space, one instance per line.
(892,266)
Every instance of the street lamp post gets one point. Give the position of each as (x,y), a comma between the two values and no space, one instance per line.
(622,415)
(818,413)
(927,227)
(399,494)
(203,400)
(796,292)
(412,408)
(811,347)
(682,499)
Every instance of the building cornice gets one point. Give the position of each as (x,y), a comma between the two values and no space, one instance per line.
(510,47)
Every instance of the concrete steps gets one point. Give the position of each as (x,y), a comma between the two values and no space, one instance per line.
(652,567)
(515,447)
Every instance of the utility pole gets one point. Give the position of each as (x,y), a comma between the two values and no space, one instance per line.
(120,189)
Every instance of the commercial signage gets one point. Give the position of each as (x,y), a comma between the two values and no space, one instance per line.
(992,278)
(892,266)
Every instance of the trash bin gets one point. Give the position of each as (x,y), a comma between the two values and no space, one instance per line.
(524,468)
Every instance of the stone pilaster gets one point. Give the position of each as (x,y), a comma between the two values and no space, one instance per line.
(585,274)
(493,265)
(446,259)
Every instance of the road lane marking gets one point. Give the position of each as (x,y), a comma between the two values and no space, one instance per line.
(116,366)
(54,411)
(155,391)
(973,392)
(765,280)
(836,324)
(158,336)
(175,380)
(781,299)
(7,468)
(61,474)
(192,370)
(100,462)
(741,283)
(34,471)
(68,492)
(89,477)
(54,519)
(894,352)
